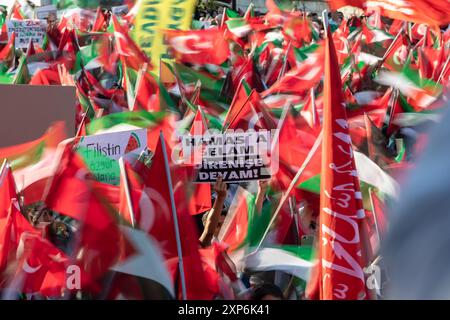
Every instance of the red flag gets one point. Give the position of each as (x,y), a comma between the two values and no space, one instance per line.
(46,77)
(303,77)
(147,92)
(340,259)
(73,193)
(44,268)
(431,12)
(7,189)
(127,48)
(239,99)
(8,51)
(309,111)
(397,54)
(11,229)
(16,13)
(100,21)
(253,114)
(235,225)
(200,200)
(396,26)
(297,29)
(157,220)
(342,45)
(198,47)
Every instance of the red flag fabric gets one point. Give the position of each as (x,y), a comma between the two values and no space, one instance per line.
(239,99)
(127,48)
(7,52)
(11,229)
(7,189)
(341,267)
(253,114)
(304,76)
(432,12)
(309,112)
(147,93)
(73,193)
(100,21)
(200,200)
(235,226)
(158,221)
(199,46)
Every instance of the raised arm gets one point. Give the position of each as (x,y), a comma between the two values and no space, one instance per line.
(262,187)
(212,220)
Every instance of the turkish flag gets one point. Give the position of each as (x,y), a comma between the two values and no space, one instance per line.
(198,47)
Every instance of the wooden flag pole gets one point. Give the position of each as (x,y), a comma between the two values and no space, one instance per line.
(285,196)
(124,175)
(325,23)
(441,76)
(175,217)
(2,170)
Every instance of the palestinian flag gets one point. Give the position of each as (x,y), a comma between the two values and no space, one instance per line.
(141,119)
(23,155)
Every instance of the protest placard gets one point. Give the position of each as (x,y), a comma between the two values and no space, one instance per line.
(119,10)
(156,15)
(237,157)
(42,13)
(41,3)
(26,30)
(101,152)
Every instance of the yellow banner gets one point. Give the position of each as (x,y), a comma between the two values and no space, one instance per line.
(154,16)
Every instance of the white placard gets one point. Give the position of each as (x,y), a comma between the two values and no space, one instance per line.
(25,30)
(101,152)
(43,12)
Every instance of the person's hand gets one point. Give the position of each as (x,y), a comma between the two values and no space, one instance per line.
(263,185)
(220,188)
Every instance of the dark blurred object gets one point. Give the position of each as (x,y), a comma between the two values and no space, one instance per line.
(417,243)
(266,292)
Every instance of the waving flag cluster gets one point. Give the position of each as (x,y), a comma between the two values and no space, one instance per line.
(346,108)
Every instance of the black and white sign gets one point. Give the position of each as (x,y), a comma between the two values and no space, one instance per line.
(237,157)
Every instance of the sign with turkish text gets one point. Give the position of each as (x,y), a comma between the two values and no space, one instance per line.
(101,152)
(155,16)
(236,157)
(25,30)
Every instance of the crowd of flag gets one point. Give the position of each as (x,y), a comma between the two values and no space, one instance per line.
(339,99)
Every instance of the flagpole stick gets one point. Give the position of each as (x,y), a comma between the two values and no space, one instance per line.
(285,196)
(141,73)
(57,162)
(377,229)
(425,37)
(313,104)
(123,173)
(2,169)
(78,134)
(283,68)
(286,107)
(174,214)
(441,76)
(325,23)
(410,26)
(388,51)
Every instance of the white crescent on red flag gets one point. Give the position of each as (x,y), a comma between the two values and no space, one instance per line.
(198,47)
